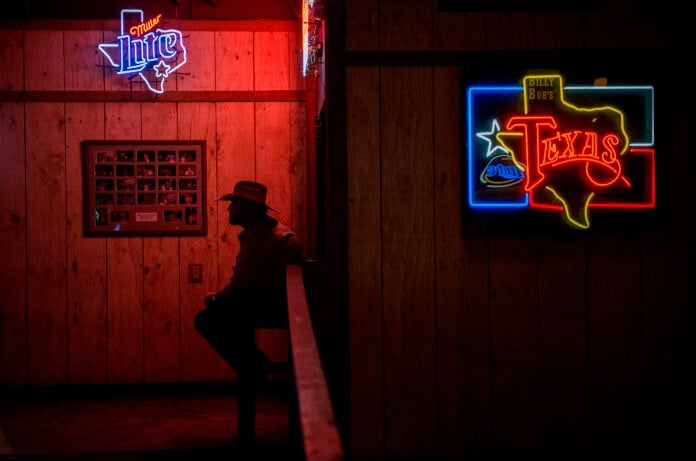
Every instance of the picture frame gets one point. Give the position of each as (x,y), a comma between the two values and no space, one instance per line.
(138,188)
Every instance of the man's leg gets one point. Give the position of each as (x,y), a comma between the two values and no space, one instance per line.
(223,332)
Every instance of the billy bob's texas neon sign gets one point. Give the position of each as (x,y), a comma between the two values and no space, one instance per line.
(154,55)
(547,146)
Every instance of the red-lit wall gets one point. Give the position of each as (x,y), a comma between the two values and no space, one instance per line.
(120,309)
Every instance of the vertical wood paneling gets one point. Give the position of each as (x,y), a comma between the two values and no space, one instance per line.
(667,299)
(299,179)
(297,80)
(366,353)
(407,244)
(82,56)
(506,31)
(43,49)
(273,170)
(559,30)
(11,60)
(125,312)
(234,61)
(562,343)
(667,289)
(13,244)
(362,25)
(608,27)
(459,31)
(87,304)
(125,272)
(161,285)
(46,237)
(273,154)
(461,289)
(235,162)
(514,348)
(614,275)
(196,74)
(199,361)
(271,61)
(86,279)
(406,25)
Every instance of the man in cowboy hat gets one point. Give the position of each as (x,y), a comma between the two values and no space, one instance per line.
(256,289)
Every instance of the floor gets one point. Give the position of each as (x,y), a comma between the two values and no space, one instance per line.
(153,422)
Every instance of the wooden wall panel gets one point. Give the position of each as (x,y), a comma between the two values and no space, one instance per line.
(514,343)
(271,61)
(461,289)
(365,326)
(273,154)
(44,50)
(559,30)
(578,359)
(11,61)
(125,272)
(13,244)
(562,335)
(296,79)
(234,61)
(667,297)
(362,25)
(459,31)
(667,293)
(505,31)
(619,24)
(614,277)
(406,25)
(46,237)
(273,169)
(199,361)
(86,278)
(200,55)
(235,162)
(299,177)
(161,284)
(408,260)
(82,56)
(13,221)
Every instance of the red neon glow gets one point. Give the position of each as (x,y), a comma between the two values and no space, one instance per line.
(575,158)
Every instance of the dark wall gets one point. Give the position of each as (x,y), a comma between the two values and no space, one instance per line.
(470,341)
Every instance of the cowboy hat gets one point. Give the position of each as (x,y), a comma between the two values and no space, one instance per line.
(248,190)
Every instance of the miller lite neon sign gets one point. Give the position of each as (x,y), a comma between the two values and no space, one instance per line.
(565,149)
(144,49)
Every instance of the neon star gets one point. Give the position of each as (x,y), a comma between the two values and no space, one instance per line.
(489,137)
(162,69)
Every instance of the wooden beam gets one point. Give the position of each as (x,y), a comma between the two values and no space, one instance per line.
(320,435)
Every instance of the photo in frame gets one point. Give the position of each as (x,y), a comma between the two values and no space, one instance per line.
(137,188)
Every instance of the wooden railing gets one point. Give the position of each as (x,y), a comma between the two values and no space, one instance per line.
(318,430)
